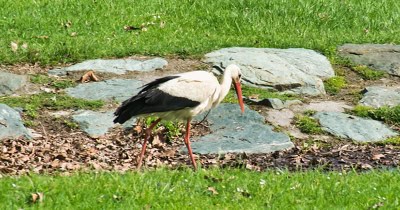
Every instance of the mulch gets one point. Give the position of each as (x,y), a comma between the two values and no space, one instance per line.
(66,151)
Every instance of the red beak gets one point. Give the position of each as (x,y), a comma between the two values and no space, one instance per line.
(238,89)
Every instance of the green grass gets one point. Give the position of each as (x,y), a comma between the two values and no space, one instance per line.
(33,103)
(210,189)
(367,73)
(52,82)
(259,93)
(69,31)
(387,114)
(334,84)
(392,141)
(307,124)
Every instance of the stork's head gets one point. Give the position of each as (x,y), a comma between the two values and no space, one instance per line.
(236,75)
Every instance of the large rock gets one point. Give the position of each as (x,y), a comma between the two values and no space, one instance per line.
(236,132)
(323,106)
(281,118)
(115,89)
(96,124)
(289,70)
(376,96)
(9,83)
(119,66)
(11,125)
(382,57)
(352,127)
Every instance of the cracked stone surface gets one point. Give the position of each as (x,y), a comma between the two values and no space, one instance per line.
(236,132)
(11,125)
(9,83)
(376,96)
(294,70)
(118,66)
(114,89)
(352,127)
(383,57)
(96,124)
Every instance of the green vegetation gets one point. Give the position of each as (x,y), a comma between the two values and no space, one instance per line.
(334,84)
(307,124)
(362,111)
(392,140)
(71,124)
(41,79)
(253,92)
(69,31)
(52,82)
(387,114)
(205,189)
(33,103)
(172,128)
(369,74)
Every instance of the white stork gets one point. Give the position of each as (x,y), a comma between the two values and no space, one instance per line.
(180,96)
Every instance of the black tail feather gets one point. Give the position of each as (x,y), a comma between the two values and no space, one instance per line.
(128,109)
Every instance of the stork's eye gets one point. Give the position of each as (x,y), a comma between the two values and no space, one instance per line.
(240,76)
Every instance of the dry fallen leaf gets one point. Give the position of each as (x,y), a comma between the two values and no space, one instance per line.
(68,24)
(74,34)
(138,129)
(37,197)
(89,76)
(366,166)
(24,46)
(42,37)
(254,96)
(3,123)
(212,189)
(169,153)
(131,28)
(377,156)
(14,47)
(162,24)
(156,142)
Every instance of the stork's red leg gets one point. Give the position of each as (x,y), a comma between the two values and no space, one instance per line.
(187,142)
(146,138)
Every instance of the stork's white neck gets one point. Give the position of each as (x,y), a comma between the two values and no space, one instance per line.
(225,84)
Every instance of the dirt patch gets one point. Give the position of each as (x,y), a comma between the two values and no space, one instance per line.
(62,149)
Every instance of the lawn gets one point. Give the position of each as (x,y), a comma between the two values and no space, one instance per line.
(70,31)
(54,32)
(204,189)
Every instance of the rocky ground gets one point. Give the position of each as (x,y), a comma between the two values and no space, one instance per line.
(265,137)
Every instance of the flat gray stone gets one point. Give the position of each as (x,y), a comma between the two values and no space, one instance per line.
(274,103)
(289,103)
(352,127)
(376,96)
(382,57)
(292,70)
(9,83)
(118,66)
(11,125)
(96,124)
(323,106)
(115,89)
(236,132)
(281,118)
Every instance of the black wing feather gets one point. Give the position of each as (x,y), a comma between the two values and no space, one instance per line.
(156,83)
(151,100)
